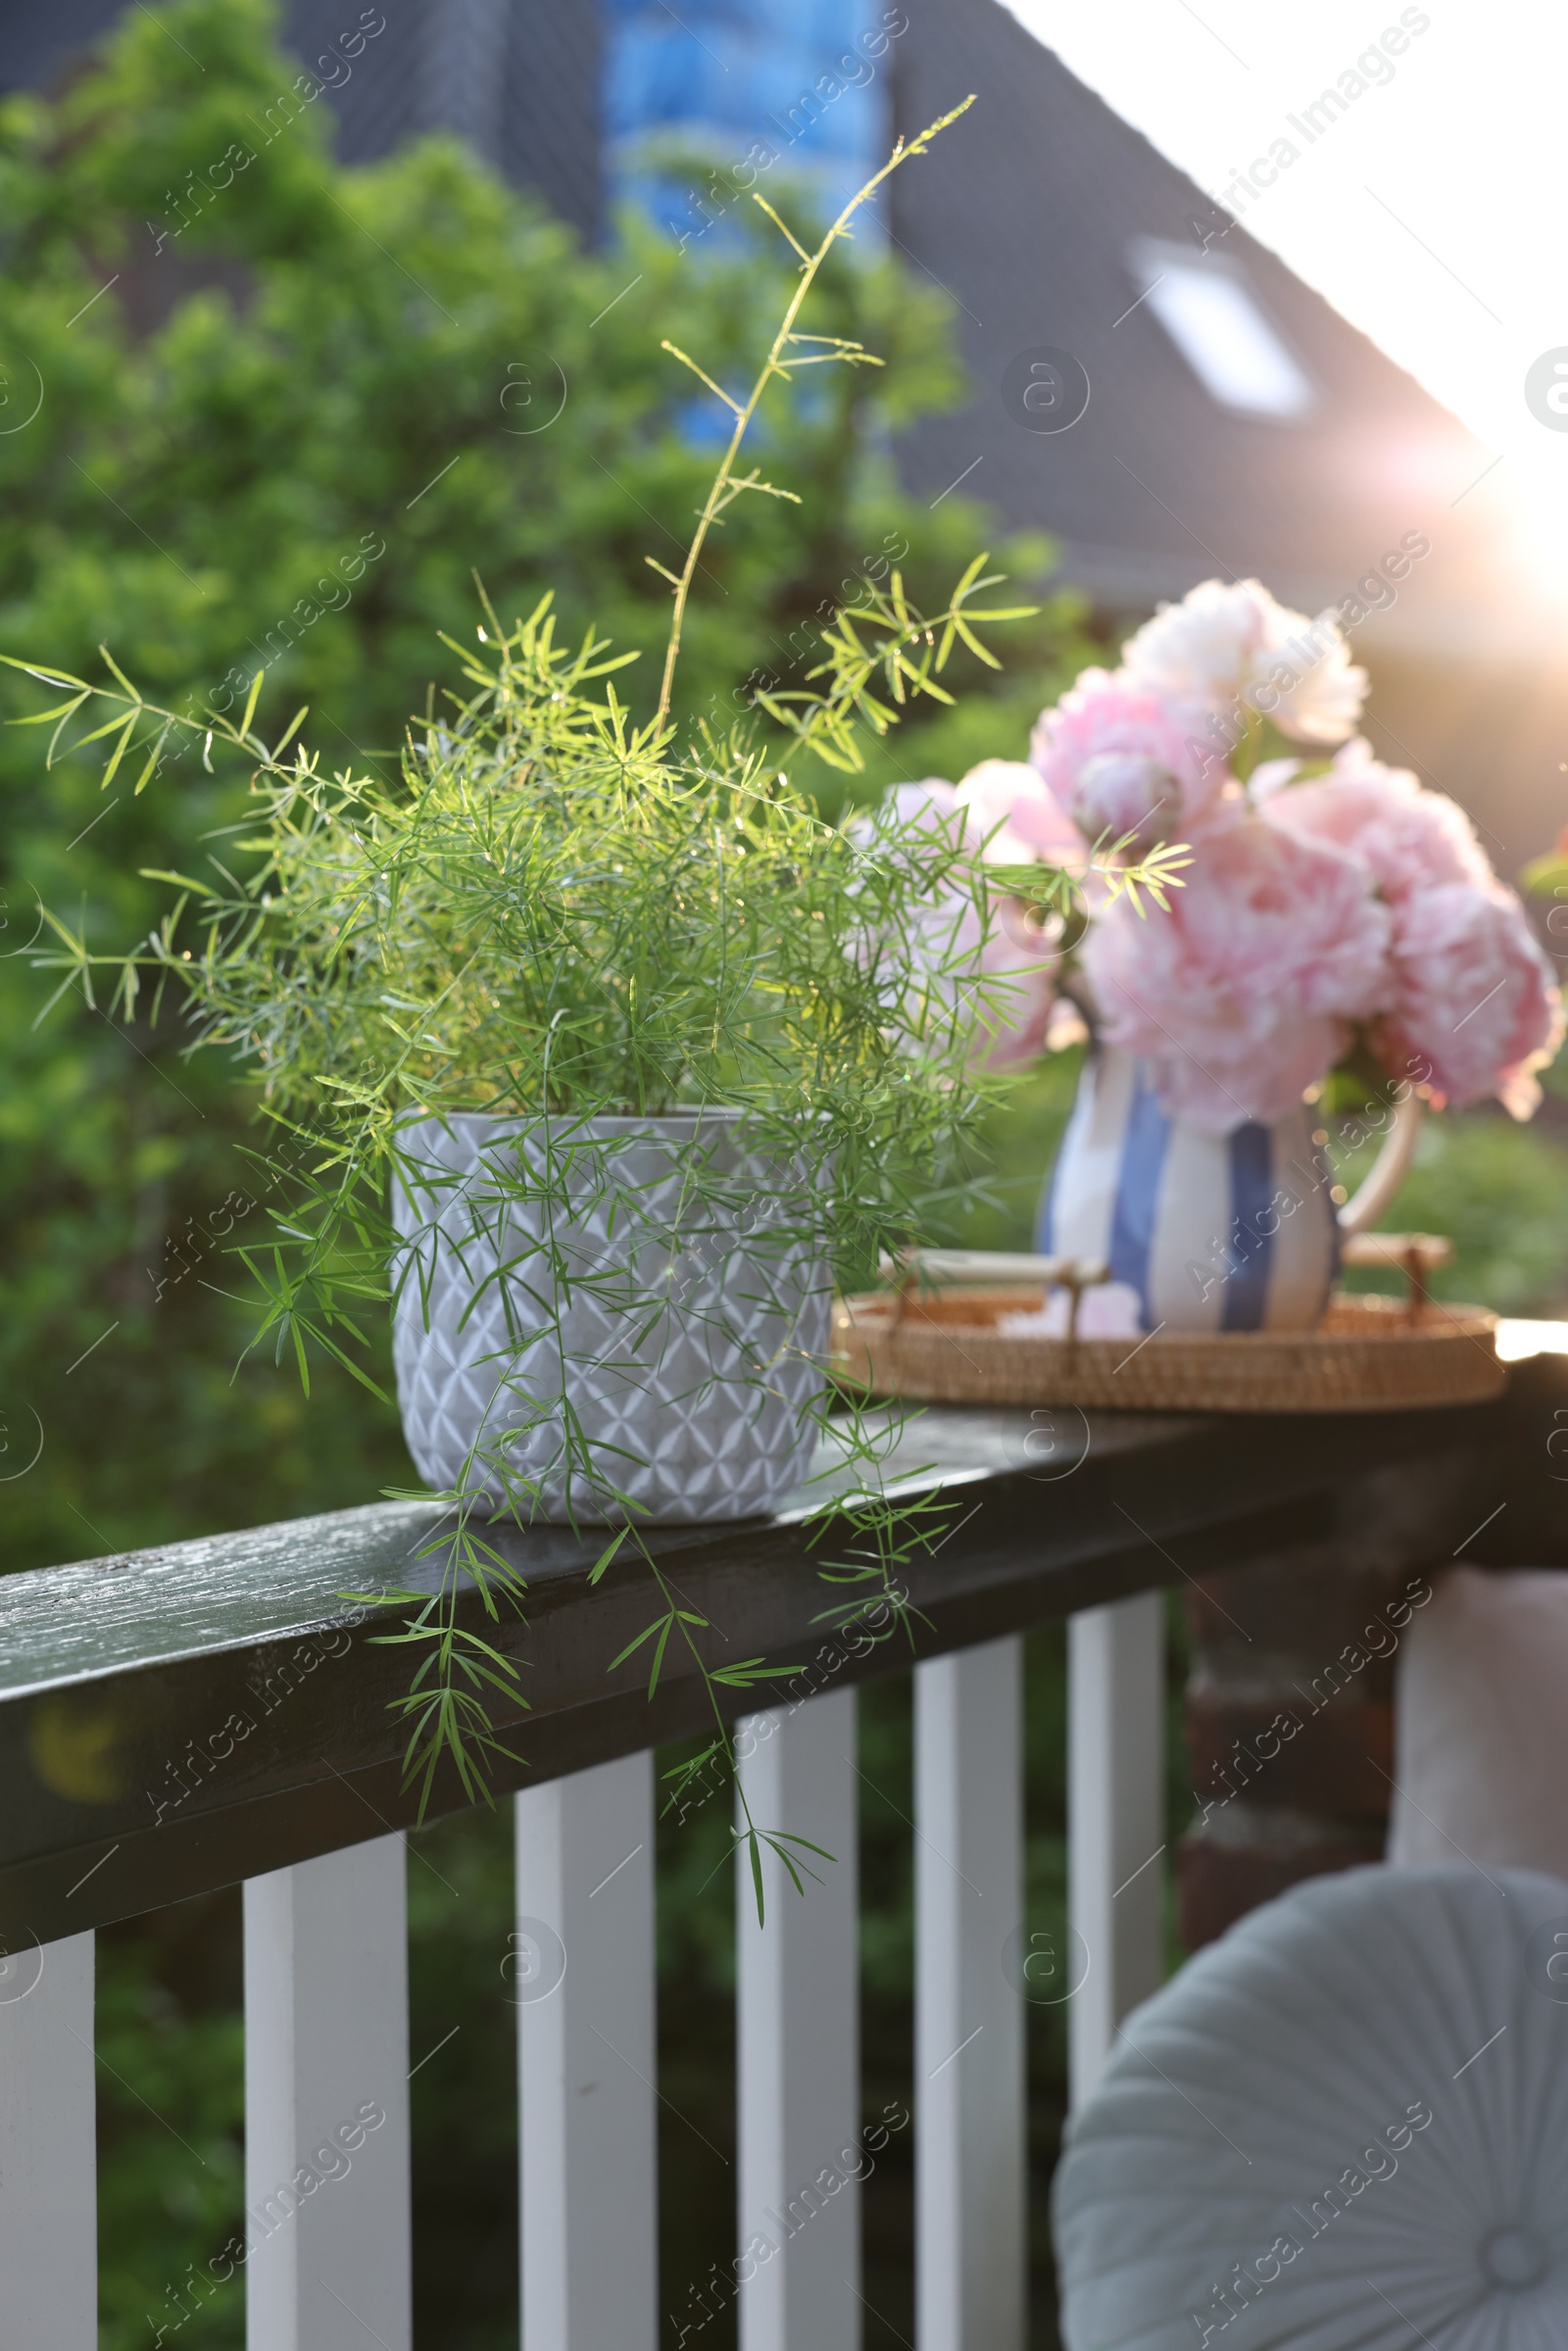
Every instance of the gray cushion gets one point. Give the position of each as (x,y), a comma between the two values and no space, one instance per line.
(1305,2139)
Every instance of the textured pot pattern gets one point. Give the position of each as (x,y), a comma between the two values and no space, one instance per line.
(1214,1232)
(642,1292)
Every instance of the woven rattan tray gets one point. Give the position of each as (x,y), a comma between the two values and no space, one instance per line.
(1368,1355)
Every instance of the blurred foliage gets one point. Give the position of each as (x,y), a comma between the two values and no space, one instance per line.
(171,2048)
(1016,1145)
(463,2048)
(1494,1188)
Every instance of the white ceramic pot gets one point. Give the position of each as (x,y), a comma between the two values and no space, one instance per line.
(1234,1232)
(626,1315)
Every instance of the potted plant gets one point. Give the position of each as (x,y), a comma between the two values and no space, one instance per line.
(593,1048)
(1337,918)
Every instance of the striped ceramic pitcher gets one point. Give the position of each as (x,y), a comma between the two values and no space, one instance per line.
(1232,1232)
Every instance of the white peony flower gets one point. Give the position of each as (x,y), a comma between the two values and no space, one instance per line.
(1228,650)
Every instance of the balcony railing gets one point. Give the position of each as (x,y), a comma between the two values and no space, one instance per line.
(184,1719)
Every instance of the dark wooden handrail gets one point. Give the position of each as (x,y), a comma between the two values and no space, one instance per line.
(180,1719)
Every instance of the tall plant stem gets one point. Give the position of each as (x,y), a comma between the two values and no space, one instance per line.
(722,485)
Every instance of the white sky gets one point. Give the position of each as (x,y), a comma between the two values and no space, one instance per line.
(1432,213)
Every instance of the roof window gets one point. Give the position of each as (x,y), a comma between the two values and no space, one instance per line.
(1218,325)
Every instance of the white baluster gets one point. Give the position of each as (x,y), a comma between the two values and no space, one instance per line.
(1116,1821)
(797,2037)
(969,2078)
(326,2103)
(48,2176)
(582,1974)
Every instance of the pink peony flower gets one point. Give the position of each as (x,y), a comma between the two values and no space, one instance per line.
(1474,1006)
(1020,819)
(1410,838)
(1240,995)
(1012,1028)
(1470,1003)
(931,804)
(1118,761)
(1227,650)
(965,946)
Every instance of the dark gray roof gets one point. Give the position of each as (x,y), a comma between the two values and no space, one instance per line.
(518,77)
(1027,211)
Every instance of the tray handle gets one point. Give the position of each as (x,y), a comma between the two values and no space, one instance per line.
(1417,1254)
(934,1268)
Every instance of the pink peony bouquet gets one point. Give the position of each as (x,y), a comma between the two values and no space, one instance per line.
(1329,899)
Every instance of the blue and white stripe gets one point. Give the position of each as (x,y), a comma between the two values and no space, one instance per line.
(1214,1232)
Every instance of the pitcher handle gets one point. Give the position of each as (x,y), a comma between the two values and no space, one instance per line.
(1388,1170)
